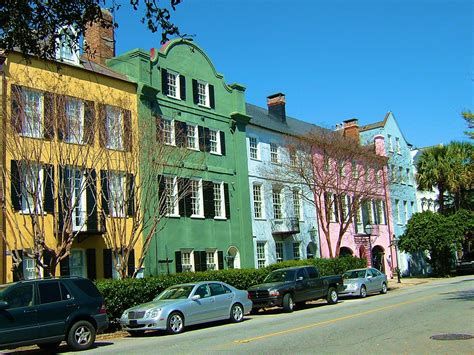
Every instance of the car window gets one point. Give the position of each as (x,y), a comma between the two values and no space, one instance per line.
(216,289)
(370,273)
(20,296)
(312,273)
(203,291)
(375,272)
(226,289)
(49,292)
(87,287)
(65,294)
(301,273)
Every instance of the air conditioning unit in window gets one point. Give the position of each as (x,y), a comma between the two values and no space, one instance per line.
(187,268)
(211,266)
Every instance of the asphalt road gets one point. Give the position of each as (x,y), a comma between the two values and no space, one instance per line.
(401,321)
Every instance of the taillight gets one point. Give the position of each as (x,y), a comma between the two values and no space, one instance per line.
(102,309)
(248,296)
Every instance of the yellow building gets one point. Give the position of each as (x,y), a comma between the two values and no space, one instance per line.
(66,178)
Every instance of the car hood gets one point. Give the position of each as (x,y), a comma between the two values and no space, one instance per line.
(268,285)
(155,304)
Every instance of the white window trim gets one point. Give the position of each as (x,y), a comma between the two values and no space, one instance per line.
(201,200)
(73,138)
(191,260)
(294,244)
(281,244)
(278,160)
(196,137)
(282,203)
(172,131)
(178,84)
(258,158)
(397,145)
(206,93)
(257,258)
(61,42)
(221,189)
(38,209)
(81,202)
(390,143)
(112,211)
(174,196)
(300,202)
(121,145)
(24,121)
(218,141)
(215,265)
(84,264)
(262,202)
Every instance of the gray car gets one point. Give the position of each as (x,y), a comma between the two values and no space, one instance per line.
(361,282)
(187,304)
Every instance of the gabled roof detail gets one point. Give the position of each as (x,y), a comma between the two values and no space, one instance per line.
(379,124)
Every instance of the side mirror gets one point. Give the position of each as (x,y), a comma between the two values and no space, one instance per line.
(299,278)
(3,305)
(369,276)
(195,297)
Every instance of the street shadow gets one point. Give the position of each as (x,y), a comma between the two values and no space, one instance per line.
(64,348)
(467,295)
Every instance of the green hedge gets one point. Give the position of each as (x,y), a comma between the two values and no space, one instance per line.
(122,294)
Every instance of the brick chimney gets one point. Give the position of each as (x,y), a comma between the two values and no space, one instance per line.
(276,106)
(351,129)
(101,40)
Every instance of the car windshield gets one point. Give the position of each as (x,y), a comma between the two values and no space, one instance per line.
(354,274)
(175,293)
(281,276)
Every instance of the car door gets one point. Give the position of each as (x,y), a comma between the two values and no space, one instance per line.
(223,300)
(378,279)
(19,322)
(315,283)
(371,281)
(201,309)
(302,286)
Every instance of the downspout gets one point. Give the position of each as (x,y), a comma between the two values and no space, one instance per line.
(3,257)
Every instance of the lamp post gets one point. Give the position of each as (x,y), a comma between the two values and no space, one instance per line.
(395,244)
(368,228)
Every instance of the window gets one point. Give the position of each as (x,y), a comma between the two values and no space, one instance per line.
(76,186)
(219,206)
(341,170)
(214,142)
(117,194)
(77,263)
(331,204)
(312,273)
(203,291)
(20,296)
(31,187)
(397,144)
(276,199)
(296,251)
(74,121)
(261,260)
(405,210)
(29,268)
(49,292)
(192,138)
(355,170)
(393,177)
(293,158)
(67,51)
(217,289)
(408,177)
(412,208)
(297,203)
(171,188)
(32,125)
(196,198)
(257,201)
(378,176)
(390,143)
(173,84)
(274,153)
(345,201)
(401,177)
(167,127)
(203,93)
(380,212)
(397,211)
(253,146)
(211,260)
(187,261)
(279,251)
(114,128)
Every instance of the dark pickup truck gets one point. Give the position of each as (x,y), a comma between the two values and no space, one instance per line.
(294,286)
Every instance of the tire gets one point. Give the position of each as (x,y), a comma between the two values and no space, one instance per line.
(49,347)
(236,313)
(363,291)
(81,336)
(332,296)
(288,303)
(384,288)
(175,323)
(136,333)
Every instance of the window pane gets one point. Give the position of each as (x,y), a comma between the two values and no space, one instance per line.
(49,292)
(253,147)
(218,200)
(261,261)
(20,296)
(114,128)
(74,120)
(277,214)
(173,85)
(216,289)
(257,201)
(32,125)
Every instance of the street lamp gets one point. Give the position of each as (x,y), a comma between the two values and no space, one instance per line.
(312,233)
(395,241)
(368,228)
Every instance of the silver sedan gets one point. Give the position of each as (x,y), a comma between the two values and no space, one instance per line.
(182,305)
(360,282)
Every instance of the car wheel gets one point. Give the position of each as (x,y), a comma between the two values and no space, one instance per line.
(332,296)
(288,303)
(136,333)
(49,347)
(175,324)
(363,291)
(236,313)
(81,336)
(384,288)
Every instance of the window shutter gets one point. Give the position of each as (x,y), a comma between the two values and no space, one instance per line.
(203,260)
(64,267)
(197,261)
(227,200)
(208,195)
(107,254)
(48,181)
(182,185)
(220,260)
(180,133)
(161,193)
(365,213)
(18,271)
(91,204)
(130,195)
(104,186)
(336,206)
(61,196)
(164,81)
(89,122)
(182,87)
(47,256)
(131,263)
(102,125)
(15,185)
(207,139)
(48,115)
(384,209)
(187,200)
(91,264)
(127,130)
(159,131)
(60,103)
(17,108)
(195,92)
(202,138)
(177,259)
(212,100)
(222,134)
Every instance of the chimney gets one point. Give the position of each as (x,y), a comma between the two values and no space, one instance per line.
(351,129)
(100,39)
(276,106)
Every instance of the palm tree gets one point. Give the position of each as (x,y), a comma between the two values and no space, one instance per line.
(459,156)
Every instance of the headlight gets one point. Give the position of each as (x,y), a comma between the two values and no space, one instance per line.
(152,313)
(125,314)
(274,293)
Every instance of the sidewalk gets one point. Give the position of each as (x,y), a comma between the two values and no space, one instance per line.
(408,282)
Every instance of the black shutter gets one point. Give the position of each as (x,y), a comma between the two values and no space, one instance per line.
(212,99)
(91,204)
(18,271)
(222,142)
(180,133)
(227,200)
(103,139)
(182,87)
(187,200)
(203,260)
(48,205)
(336,206)
(15,185)
(177,259)
(161,193)
(365,213)
(207,139)
(61,116)
(47,256)
(61,196)
(89,122)
(202,138)
(130,195)
(195,92)
(48,115)
(208,196)
(197,261)
(107,253)
(104,187)
(127,130)
(91,264)
(131,263)
(164,81)
(220,260)
(182,185)
(64,267)
(159,130)
(17,108)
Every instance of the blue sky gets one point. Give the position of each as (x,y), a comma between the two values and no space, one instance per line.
(338,59)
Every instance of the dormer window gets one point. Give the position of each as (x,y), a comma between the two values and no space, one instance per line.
(67,51)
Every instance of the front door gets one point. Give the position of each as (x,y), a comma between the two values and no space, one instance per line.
(202,309)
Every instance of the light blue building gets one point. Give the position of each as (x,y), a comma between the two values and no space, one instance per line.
(284,221)
(402,183)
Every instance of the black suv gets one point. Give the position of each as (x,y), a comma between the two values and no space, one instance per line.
(48,311)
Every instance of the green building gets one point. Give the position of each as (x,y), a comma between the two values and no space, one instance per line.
(179,88)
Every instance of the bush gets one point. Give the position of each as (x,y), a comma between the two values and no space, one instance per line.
(122,294)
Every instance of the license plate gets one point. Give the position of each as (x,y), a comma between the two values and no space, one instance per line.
(132,322)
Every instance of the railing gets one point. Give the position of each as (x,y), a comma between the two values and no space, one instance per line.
(285,226)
